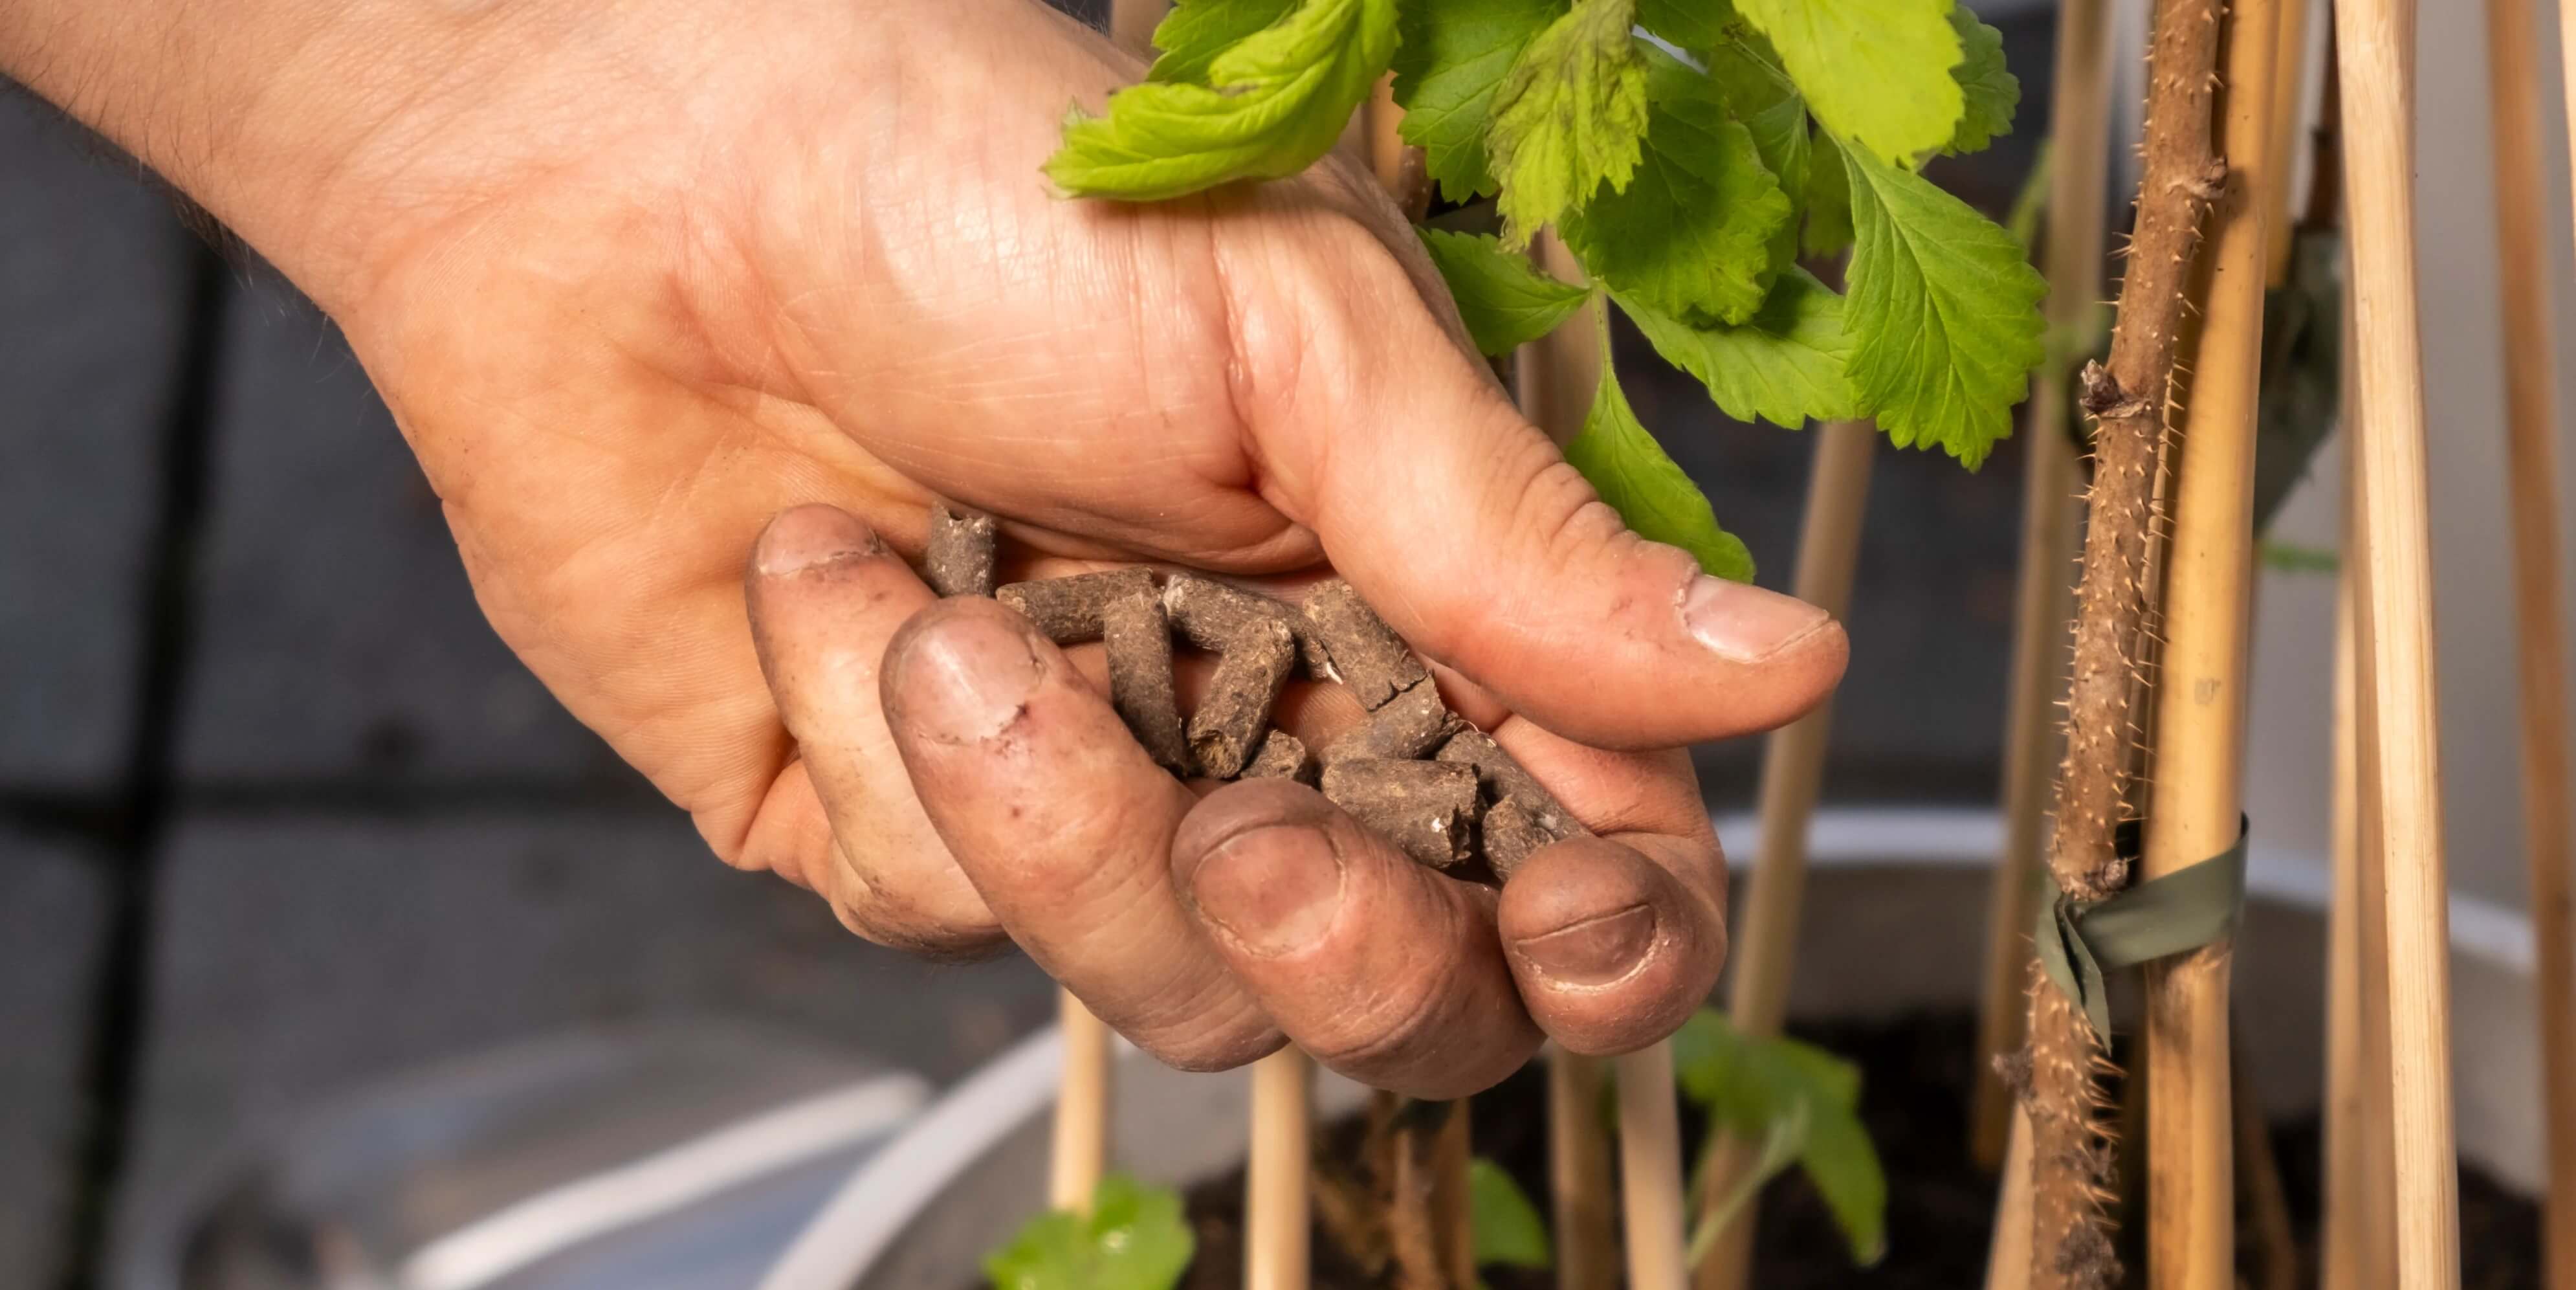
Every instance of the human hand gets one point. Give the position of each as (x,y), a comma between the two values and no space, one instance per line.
(635,283)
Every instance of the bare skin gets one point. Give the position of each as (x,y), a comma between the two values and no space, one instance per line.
(689,310)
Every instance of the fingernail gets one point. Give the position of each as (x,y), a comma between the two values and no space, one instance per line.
(1595,951)
(967,679)
(1272,890)
(1744,623)
(810,536)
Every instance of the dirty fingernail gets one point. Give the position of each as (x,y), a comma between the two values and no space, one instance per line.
(1744,623)
(1595,951)
(809,536)
(1272,890)
(967,679)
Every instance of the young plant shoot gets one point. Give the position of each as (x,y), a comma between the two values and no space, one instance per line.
(1688,152)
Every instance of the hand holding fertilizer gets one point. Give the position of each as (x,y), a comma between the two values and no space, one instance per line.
(1441,790)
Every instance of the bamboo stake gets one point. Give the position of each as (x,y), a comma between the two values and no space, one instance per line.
(2289,100)
(2357,1242)
(2008,1255)
(2079,154)
(1275,1238)
(2258,1175)
(1650,1169)
(1579,1170)
(2341,1263)
(1131,23)
(1081,1149)
(1793,770)
(2375,40)
(2513,96)
(2200,697)
(1557,374)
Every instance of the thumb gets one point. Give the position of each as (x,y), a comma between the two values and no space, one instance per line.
(1468,531)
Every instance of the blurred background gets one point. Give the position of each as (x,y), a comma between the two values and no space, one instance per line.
(280,817)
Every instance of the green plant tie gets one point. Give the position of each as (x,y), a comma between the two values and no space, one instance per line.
(2184,910)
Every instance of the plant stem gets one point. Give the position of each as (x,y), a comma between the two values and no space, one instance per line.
(2070,1152)
(2513,90)
(2079,154)
(1793,770)
(2375,50)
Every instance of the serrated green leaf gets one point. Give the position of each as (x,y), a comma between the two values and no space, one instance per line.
(1988,90)
(1695,25)
(1755,93)
(1196,31)
(1875,72)
(1274,102)
(1785,365)
(1827,204)
(1503,298)
(1134,1239)
(1454,55)
(1943,312)
(1749,1085)
(1503,1223)
(1633,474)
(1569,118)
(1694,231)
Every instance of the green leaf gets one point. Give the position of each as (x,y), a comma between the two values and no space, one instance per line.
(1630,471)
(1875,72)
(1504,299)
(1134,1239)
(2278,556)
(1570,117)
(1749,1085)
(1988,89)
(1754,91)
(1828,203)
(1196,31)
(1694,231)
(1274,102)
(1943,312)
(1455,54)
(1505,1225)
(1785,365)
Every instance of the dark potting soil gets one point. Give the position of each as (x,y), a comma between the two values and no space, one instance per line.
(1939,1204)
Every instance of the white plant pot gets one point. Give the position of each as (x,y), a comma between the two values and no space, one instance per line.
(923,1212)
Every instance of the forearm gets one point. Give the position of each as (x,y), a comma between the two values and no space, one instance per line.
(324,132)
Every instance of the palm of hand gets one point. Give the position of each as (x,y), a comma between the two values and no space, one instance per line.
(792,309)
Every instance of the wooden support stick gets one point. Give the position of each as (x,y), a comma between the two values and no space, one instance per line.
(1132,22)
(2356,1244)
(1556,375)
(2340,1224)
(2008,1254)
(1275,1235)
(2079,152)
(1578,1173)
(1081,1109)
(2200,695)
(1793,771)
(2531,472)
(1650,1169)
(2289,104)
(2374,48)
(2258,1180)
